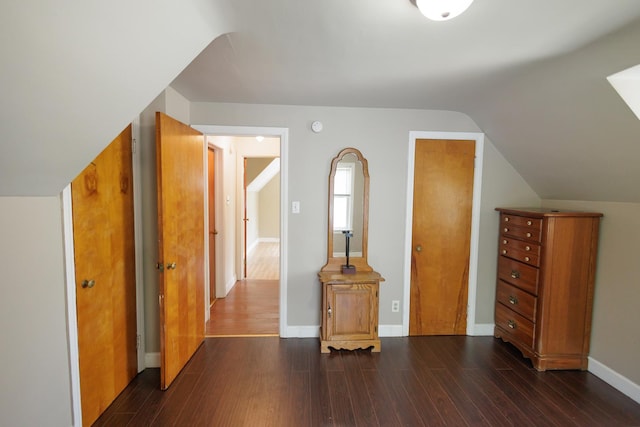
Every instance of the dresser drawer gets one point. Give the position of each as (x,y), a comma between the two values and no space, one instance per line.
(516,273)
(521,221)
(521,227)
(528,234)
(526,252)
(517,299)
(515,325)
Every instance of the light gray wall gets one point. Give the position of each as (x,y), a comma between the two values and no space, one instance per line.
(269,226)
(34,360)
(615,341)
(383,137)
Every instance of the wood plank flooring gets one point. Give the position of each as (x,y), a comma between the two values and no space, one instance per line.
(252,307)
(413,381)
(264,261)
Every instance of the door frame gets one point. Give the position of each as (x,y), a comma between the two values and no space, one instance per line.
(70,276)
(283,134)
(478,137)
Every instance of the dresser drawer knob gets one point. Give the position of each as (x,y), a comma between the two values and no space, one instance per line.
(527,259)
(506,230)
(527,248)
(528,234)
(506,219)
(528,222)
(504,252)
(513,300)
(512,324)
(505,241)
(515,274)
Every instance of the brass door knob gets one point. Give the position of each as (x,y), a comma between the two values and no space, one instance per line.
(88,283)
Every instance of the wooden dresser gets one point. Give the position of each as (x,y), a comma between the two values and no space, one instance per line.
(349,311)
(544,292)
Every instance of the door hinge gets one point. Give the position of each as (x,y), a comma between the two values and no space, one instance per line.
(160,267)
(133,145)
(138,337)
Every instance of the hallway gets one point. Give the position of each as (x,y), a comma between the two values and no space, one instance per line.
(252,306)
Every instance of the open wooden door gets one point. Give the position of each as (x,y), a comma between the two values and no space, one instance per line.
(181,234)
(211,161)
(441,236)
(103,230)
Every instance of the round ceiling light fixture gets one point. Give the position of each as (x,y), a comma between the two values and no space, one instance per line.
(442,10)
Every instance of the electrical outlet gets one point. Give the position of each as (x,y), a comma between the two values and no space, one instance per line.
(395,306)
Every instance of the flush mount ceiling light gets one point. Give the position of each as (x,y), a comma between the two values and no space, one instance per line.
(442,10)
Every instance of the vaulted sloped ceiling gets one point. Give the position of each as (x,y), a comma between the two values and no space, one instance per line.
(532,74)
(75,73)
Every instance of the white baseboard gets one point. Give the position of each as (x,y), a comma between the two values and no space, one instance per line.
(302,332)
(614,379)
(481,330)
(152,360)
(314,331)
(269,239)
(390,330)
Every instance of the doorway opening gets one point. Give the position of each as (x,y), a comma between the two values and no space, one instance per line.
(247,243)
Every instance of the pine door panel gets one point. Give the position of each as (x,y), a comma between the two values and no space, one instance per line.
(441,235)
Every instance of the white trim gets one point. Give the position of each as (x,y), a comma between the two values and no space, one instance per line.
(482,330)
(475,221)
(314,331)
(72,319)
(390,331)
(614,379)
(283,134)
(152,360)
(303,331)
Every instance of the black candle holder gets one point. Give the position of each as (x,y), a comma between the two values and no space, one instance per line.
(348,268)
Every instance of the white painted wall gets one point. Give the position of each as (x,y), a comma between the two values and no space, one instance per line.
(34,367)
(75,74)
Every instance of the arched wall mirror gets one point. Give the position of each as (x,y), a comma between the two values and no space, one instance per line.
(348,213)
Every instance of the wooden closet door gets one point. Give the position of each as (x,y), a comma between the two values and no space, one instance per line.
(181,232)
(103,229)
(441,236)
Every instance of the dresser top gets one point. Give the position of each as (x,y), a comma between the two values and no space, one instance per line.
(358,277)
(547,212)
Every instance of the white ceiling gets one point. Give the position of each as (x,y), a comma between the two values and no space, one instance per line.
(532,74)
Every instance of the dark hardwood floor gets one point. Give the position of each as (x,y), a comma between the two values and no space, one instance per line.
(413,381)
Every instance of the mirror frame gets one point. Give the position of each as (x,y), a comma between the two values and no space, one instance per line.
(334,264)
